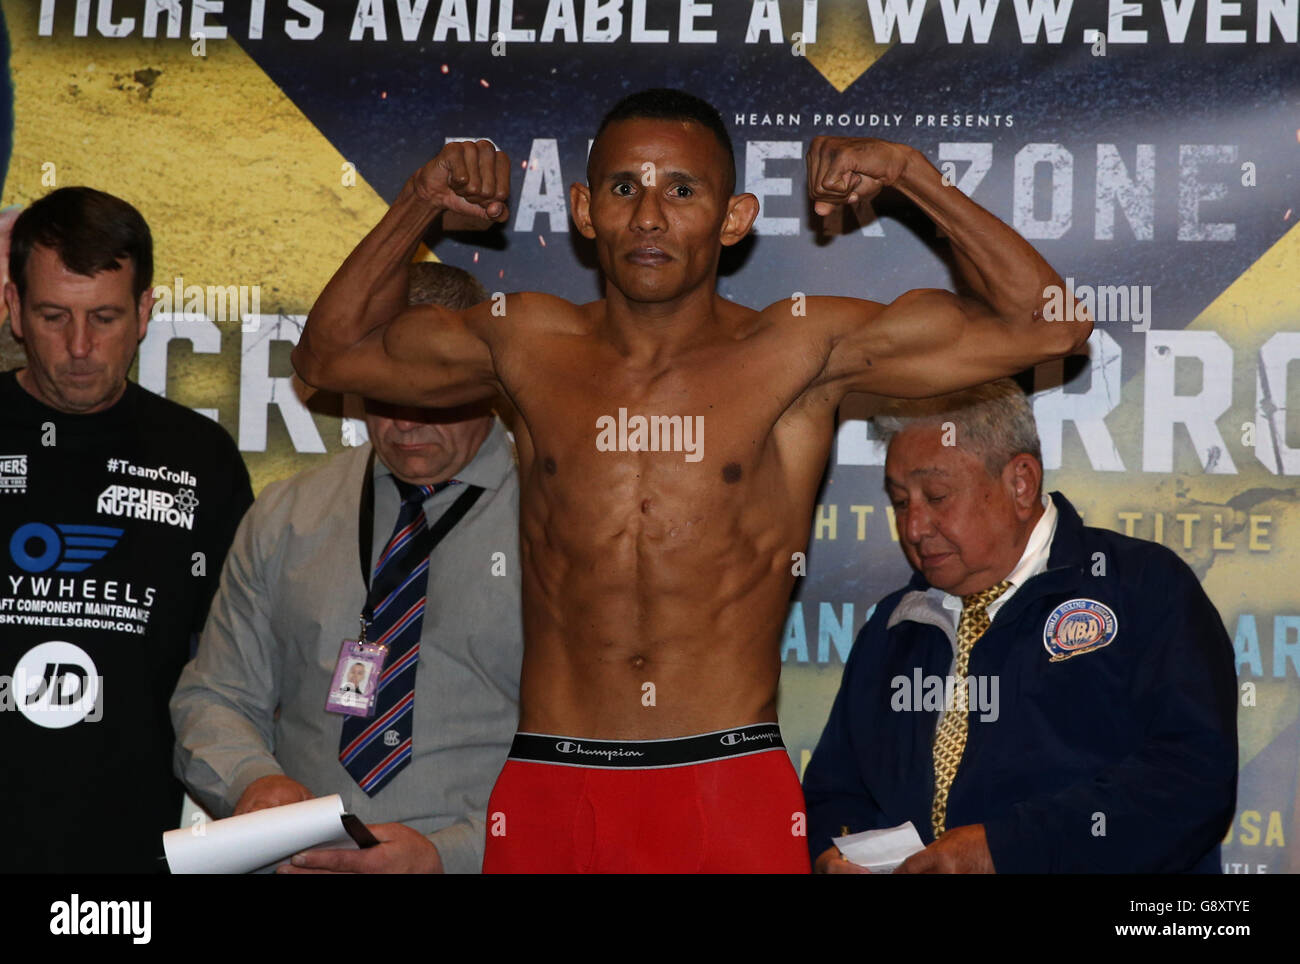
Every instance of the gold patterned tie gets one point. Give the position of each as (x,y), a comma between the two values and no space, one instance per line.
(950,739)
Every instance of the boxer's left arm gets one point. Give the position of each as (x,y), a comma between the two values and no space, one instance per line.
(931,341)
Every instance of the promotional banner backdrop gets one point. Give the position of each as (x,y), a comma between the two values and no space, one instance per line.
(1148,150)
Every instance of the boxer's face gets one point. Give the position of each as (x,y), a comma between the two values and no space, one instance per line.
(658,207)
(961,527)
(424,446)
(80,332)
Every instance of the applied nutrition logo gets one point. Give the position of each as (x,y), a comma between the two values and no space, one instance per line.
(151,505)
(13,474)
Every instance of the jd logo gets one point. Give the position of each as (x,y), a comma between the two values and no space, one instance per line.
(65,685)
(56,685)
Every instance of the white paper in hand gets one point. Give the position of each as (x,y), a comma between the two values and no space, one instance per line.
(238,845)
(880,851)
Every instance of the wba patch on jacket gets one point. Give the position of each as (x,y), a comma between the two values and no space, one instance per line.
(1078,626)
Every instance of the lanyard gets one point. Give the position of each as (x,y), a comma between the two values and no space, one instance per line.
(422,546)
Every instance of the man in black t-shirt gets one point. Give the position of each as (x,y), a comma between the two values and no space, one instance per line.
(116,511)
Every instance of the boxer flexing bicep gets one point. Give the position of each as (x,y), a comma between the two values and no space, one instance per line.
(930,341)
(671,444)
(363,337)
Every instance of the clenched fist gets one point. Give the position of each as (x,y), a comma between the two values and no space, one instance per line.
(846,170)
(467,178)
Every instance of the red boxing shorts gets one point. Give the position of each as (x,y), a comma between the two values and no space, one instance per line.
(722,802)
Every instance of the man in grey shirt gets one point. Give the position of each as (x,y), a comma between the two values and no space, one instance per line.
(249,711)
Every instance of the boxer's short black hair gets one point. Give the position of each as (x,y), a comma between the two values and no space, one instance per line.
(89,230)
(663,103)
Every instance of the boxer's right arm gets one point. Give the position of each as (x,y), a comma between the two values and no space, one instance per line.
(361,335)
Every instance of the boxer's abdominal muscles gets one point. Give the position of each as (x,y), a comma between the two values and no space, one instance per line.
(654,596)
(661,507)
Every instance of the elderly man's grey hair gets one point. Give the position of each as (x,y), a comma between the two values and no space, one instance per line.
(993,421)
(435,283)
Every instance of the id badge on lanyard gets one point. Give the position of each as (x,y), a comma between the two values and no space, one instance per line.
(356,676)
(355,683)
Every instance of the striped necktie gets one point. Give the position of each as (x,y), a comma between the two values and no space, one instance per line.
(950,739)
(375,749)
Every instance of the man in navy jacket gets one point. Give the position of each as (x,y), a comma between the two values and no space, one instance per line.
(1101,699)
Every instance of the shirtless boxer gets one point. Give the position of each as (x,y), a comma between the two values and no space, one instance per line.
(656,583)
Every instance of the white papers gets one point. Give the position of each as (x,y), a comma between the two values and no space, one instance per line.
(238,845)
(880,851)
